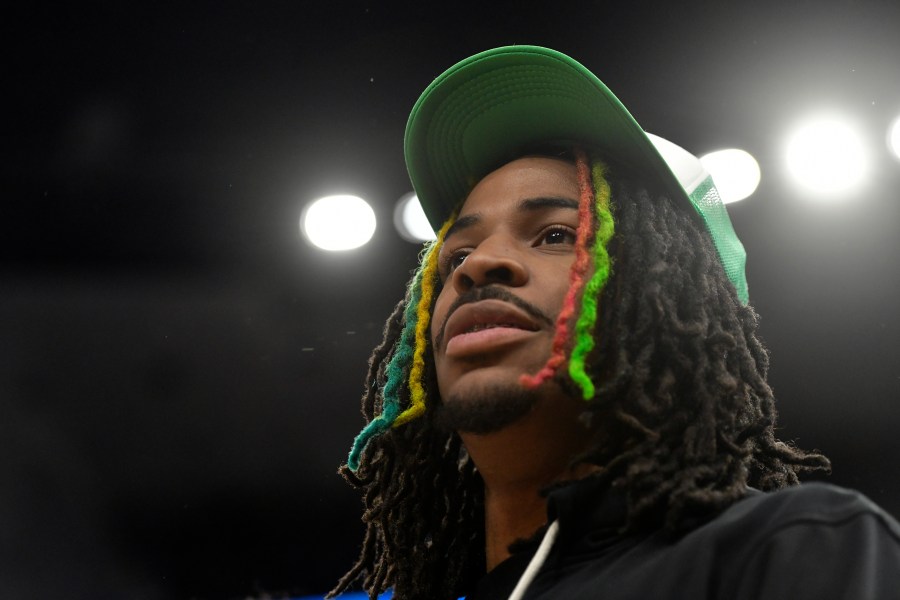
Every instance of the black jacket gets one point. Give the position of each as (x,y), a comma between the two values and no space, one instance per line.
(813,541)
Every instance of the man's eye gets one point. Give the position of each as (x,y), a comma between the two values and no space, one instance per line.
(454,260)
(558,235)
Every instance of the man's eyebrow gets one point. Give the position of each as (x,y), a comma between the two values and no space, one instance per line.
(529,204)
(461,224)
(548,202)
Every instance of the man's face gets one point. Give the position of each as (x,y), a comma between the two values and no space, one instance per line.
(505,270)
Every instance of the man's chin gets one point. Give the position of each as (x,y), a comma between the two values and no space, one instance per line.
(488,410)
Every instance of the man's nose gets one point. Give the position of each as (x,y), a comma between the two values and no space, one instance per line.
(494,261)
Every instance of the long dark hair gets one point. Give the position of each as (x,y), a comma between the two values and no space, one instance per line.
(684,415)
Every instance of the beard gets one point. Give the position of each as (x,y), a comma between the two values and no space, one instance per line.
(488,411)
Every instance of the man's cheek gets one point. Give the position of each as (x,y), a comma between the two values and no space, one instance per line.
(438,314)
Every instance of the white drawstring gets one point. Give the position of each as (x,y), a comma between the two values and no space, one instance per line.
(537,561)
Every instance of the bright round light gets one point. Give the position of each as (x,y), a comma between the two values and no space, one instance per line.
(338,222)
(410,220)
(826,156)
(894,138)
(735,172)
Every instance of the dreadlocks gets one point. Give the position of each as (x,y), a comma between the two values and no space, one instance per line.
(683,416)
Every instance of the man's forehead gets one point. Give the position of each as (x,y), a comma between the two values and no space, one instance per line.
(525,184)
(524,173)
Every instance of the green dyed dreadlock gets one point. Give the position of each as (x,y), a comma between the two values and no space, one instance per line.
(410,353)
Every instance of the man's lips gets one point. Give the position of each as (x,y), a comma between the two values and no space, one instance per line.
(481,319)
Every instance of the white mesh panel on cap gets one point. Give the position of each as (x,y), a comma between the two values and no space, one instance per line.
(703,194)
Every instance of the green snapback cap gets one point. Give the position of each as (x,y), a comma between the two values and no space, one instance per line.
(483,110)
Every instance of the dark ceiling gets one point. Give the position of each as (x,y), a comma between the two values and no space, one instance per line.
(181,371)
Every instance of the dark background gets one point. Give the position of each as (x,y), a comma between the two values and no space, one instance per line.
(180,371)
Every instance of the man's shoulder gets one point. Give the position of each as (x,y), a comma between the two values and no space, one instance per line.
(810,503)
(802,541)
(794,514)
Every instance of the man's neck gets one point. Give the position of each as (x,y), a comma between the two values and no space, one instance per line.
(519,462)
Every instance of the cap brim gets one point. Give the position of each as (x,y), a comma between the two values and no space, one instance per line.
(484,110)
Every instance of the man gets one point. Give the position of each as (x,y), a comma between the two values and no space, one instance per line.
(571,400)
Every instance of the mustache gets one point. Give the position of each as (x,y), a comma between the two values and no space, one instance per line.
(492,292)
